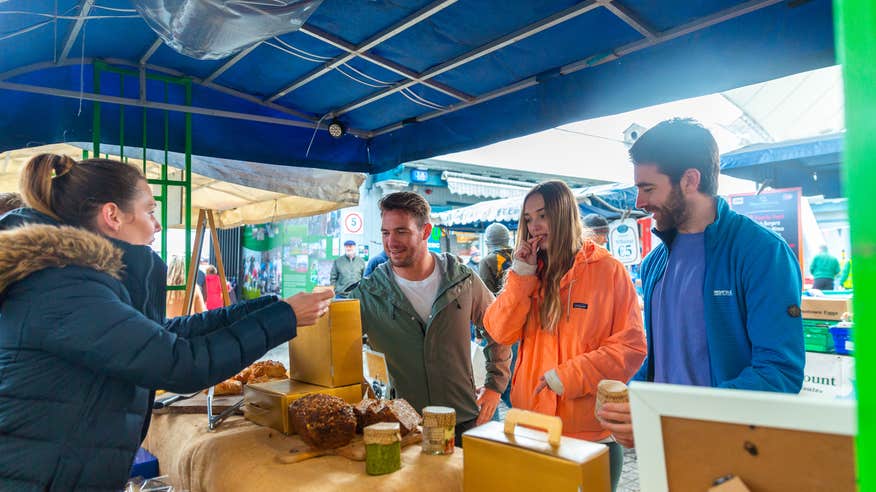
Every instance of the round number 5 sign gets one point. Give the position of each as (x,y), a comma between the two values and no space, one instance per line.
(353,223)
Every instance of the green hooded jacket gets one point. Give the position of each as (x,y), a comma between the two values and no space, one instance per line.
(430,360)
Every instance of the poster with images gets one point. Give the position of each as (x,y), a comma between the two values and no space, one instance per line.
(777,210)
(262,258)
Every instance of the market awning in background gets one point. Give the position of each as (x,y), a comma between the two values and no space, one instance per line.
(811,163)
(611,201)
(240,192)
(409,79)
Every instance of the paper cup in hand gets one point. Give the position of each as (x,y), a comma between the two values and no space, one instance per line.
(610,391)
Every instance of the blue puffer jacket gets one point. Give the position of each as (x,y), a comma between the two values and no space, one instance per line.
(751,299)
(79,354)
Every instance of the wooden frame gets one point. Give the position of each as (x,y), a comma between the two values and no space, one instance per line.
(695,422)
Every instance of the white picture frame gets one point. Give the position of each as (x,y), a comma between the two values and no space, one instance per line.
(651,401)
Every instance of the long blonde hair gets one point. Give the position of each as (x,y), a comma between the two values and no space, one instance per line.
(566,239)
(176,275)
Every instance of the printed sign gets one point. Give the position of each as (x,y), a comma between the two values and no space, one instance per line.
(777,210)
(353,223)
(623,241)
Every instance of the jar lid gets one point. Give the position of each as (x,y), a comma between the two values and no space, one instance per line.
(439,417)
(382,433)
(610,390)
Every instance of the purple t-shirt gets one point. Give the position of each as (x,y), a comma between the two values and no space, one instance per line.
(678,324)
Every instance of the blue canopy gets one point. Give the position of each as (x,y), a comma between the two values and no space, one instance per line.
(813,163)
(409,79)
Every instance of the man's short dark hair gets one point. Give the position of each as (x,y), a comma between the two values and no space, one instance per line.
(677,145)
(10,201)
(409,202)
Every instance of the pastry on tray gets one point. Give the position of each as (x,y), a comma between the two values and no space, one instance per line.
(258,372)
(323,421)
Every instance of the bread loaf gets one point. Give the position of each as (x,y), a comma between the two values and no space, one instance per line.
(323,421)
(370,411)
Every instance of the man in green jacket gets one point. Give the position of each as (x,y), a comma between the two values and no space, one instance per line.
(347,269)
(417,309)
(824,269)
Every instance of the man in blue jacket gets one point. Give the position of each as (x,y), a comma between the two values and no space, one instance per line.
(722,293)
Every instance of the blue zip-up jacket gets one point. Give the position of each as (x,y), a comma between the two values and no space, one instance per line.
(751,299)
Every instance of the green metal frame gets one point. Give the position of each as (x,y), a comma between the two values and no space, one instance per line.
(855,22)
(100,68)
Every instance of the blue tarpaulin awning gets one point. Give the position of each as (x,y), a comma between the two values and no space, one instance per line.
(409,79)
(811,163)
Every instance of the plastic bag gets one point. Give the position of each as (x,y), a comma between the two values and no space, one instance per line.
(214,29)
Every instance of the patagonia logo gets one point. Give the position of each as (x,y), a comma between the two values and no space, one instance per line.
(579,305)
(723,293)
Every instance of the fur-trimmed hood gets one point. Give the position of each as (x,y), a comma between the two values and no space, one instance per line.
(34,247)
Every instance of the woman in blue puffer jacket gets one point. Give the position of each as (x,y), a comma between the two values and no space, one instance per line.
(83,340)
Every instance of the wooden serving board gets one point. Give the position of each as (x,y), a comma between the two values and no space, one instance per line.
(198,404)
(354,451)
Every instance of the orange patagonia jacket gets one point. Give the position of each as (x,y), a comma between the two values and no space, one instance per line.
(599,336)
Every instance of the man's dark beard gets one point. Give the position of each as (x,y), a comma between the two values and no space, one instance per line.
(674,212)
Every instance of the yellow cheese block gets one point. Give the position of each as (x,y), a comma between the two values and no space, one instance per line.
(511,458)
(268,403)
(329,353)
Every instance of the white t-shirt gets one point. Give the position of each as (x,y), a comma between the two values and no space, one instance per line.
(421,293)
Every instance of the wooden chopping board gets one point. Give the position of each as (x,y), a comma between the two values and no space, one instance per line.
(198,404)
(354,451)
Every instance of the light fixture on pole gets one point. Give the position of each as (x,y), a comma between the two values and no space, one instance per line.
(336,129)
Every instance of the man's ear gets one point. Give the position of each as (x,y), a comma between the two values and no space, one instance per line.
(110,216)
(690,181)
(427,231)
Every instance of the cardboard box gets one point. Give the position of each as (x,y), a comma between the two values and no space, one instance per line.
(268,403)
(828,308)
(329,353)
(510,458)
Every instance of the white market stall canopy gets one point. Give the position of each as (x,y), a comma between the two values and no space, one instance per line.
(610,200)
(240,192)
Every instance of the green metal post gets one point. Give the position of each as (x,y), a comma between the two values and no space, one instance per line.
(164,178)
(188,179)
(855,22)
(95,119)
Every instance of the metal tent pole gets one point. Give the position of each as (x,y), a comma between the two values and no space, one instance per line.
(855,22)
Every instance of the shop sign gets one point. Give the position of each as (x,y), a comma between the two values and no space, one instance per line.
(828,376)
(623,241)
(777,210)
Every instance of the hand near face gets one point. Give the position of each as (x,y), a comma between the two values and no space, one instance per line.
(528,251)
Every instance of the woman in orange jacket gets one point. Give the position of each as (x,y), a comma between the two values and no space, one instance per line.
(575,313)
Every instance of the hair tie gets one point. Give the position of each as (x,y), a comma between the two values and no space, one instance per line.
(64,161)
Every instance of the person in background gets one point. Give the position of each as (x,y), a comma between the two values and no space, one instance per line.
(492,270)
(9,202)
(596,229)
(176,275)
(214,288)
(347,269)
(374,262)
(474,260)
(824,268)
(573,309)
(722,292)
(83,337)
(417,309)
(846,275)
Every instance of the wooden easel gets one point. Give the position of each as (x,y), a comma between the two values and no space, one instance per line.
(205,216)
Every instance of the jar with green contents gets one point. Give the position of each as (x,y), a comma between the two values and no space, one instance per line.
(439,425)
(382,448)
